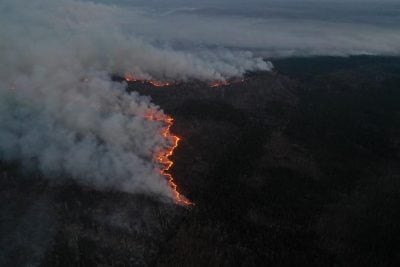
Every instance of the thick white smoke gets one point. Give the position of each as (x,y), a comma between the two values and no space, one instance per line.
(61,114)
(96,36)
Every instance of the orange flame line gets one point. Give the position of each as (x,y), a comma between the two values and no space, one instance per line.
(162,157)
(155,83)
(225,83)
(218,83)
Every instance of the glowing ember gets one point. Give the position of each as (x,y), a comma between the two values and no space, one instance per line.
(218,83)
(162,157)
(156,83)
(225,83)
(130,78)
(159,83)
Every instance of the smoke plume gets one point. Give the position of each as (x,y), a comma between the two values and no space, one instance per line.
(273,28)
(61,114)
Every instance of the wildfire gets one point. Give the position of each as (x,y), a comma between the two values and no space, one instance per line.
(162,157)
(225,83)
(157,83)
(218,83)
(130,78)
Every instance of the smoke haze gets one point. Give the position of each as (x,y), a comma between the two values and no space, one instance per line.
(274,160)
(273,28)
(61,114)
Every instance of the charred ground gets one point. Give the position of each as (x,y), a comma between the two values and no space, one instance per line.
(294,167)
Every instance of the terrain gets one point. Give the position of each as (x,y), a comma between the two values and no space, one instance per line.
(298,166)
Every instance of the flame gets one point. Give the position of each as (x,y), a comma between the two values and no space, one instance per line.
(155,83)
(159,83)
(130,78)
(218,83)
(162,157)
(226,83)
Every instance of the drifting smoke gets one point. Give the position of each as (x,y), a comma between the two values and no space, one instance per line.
(274,28)
(61,114)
